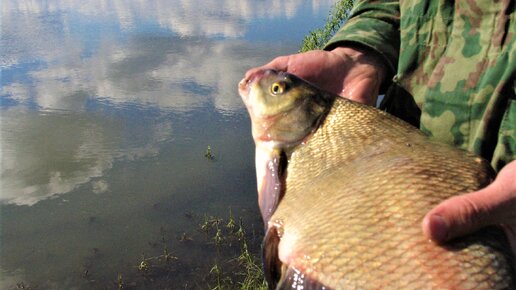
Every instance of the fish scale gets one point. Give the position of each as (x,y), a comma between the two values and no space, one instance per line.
(381,202)
(355,192)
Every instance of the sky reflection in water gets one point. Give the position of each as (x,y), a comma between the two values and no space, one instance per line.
(106,108)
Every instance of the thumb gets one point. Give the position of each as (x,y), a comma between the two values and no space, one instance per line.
(458,216)
(464,214)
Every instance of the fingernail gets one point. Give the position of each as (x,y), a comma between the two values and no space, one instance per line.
(438,228)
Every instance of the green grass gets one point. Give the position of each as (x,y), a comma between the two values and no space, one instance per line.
(239,272)
(316,39)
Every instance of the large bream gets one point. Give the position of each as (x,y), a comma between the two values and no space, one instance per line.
(343,188)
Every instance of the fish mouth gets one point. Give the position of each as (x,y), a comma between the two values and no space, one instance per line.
(245,85)
(244,88)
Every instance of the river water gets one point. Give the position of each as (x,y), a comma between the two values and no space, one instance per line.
(107,112)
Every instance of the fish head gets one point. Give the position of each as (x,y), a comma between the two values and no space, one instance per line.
(284,109)
(269,92)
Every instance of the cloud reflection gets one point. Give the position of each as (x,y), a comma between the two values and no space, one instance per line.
(227,18)
(170,73)
(58,64)
(48,154)
(146,69)
(163,70)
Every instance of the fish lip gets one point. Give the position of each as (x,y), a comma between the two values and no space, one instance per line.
(244,86)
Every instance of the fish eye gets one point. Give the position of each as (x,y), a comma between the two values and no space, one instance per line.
(278,88)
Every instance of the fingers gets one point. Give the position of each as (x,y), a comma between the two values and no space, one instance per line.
(460,215)
(279,63)
(307,65)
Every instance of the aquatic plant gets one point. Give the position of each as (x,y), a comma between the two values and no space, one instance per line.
(208,154)
(232,258)
(317,38)
(245,269)
(143,266)
(218,238)
(253,276)
(223,282)
(205,225)
(21,285)
(120,282)
(231,221)
(240,233)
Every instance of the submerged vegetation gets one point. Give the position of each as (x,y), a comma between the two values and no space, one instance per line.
(227,249)
(208,154)
(239,272)
(232,263)
(316,39)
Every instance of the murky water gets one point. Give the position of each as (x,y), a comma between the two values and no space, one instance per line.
(107,110)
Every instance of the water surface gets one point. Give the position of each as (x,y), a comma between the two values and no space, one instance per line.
(107,109)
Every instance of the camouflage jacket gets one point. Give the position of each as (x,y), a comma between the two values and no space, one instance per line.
(453,65)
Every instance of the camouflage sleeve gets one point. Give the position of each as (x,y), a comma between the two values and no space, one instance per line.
(373,24)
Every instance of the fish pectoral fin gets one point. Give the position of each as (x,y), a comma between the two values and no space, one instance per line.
(271,263)
(296,279)
(270,168)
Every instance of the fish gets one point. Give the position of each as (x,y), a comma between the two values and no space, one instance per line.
(343,188)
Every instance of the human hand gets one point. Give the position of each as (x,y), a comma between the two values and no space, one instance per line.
(349,72)
(492,205)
